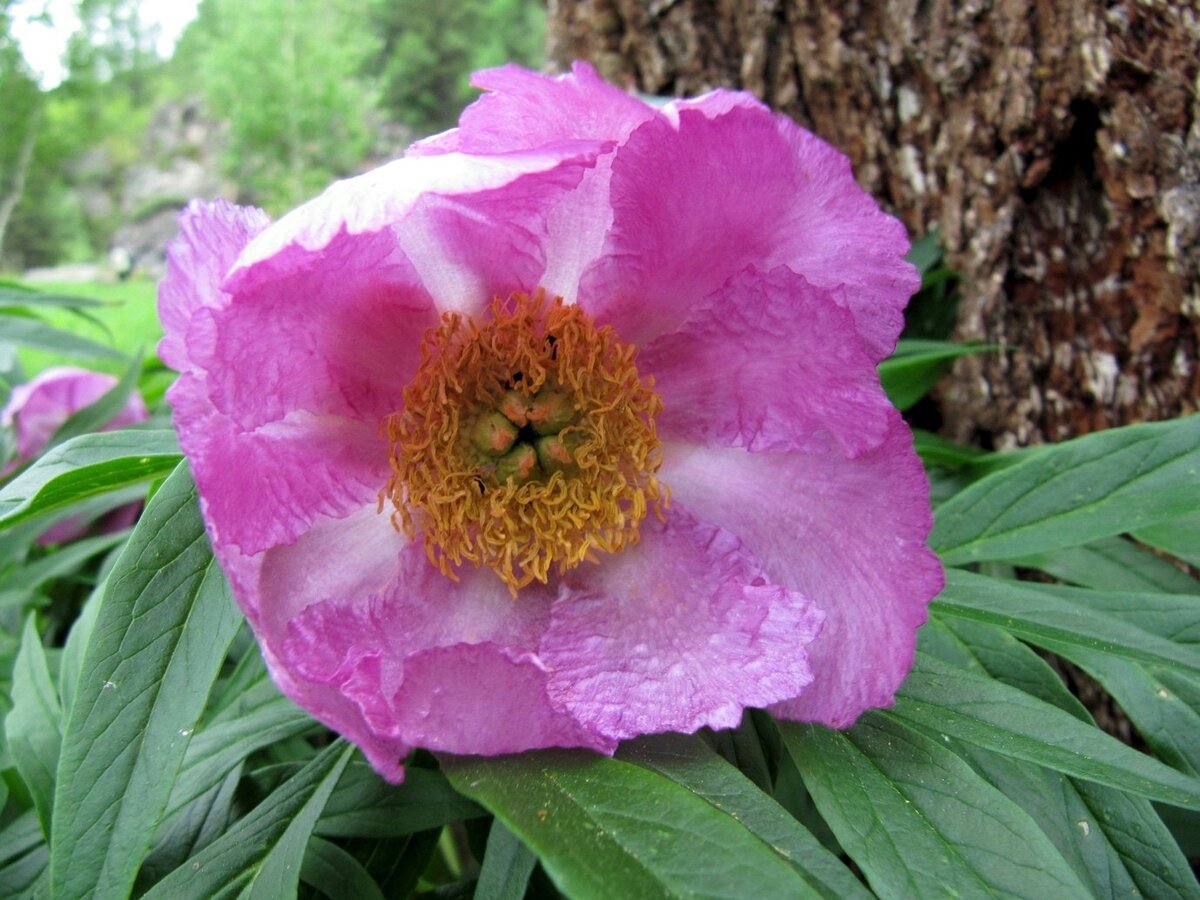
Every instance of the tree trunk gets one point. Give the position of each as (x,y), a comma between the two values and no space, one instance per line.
(1055,144)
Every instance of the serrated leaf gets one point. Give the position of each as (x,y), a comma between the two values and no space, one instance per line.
(261,854)
(689,762)
(163,628)
(1074,493)
(85,467)
(506,866)
(29,332)
(34,725)
(989,714)
(918,821)
(604,828)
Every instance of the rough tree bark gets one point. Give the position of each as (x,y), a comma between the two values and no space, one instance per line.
(1054,143)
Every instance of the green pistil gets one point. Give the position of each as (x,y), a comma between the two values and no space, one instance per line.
(524,434)
(548,411)
(493,435)
(519,465)
(556,452)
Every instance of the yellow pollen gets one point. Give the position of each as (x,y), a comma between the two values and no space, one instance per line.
(526,442)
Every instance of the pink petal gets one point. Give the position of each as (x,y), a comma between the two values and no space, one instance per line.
(433,663)
(39,407)
(328,704)
(524,109)
(211,235)
(850,534)
(681,631)
(481,698)
(768,362)
(470,226)
(265,486)
(696,203)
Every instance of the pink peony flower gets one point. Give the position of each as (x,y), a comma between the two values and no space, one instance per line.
(464,514)
(38,408)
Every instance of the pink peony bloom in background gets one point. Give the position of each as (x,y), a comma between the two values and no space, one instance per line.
(38,408)
(461,513)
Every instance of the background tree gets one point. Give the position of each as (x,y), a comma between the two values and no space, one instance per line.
(428,47)
(285,75)
(1055,145)
(22,119)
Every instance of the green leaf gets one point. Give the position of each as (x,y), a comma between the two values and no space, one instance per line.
(278,874)
(982,711)
(61,562)
(604,828)
(1162,704)
(1113,840)
(26,875)
(937,451)
(689,762)
(364,805)
(916,366)
(190,830)
(34,726)
(19,836)
(918,821)
(261,854)
(1073,493)
(506,867)
(926,252)
(1179,537)
(11,297)
(28,332)
(989,650)
(70,664)
(1112,564)
(1116,843)
(218,749)
(163,628)
(85,467)
(1071,616)
(336,873)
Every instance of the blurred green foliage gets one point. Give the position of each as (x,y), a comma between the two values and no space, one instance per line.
(305,91)
(427,45)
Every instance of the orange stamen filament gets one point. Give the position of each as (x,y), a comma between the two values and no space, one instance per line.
(486,398)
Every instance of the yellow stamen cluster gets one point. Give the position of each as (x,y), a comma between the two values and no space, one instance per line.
(526,442)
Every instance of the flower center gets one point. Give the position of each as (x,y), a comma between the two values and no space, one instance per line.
(526,441)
